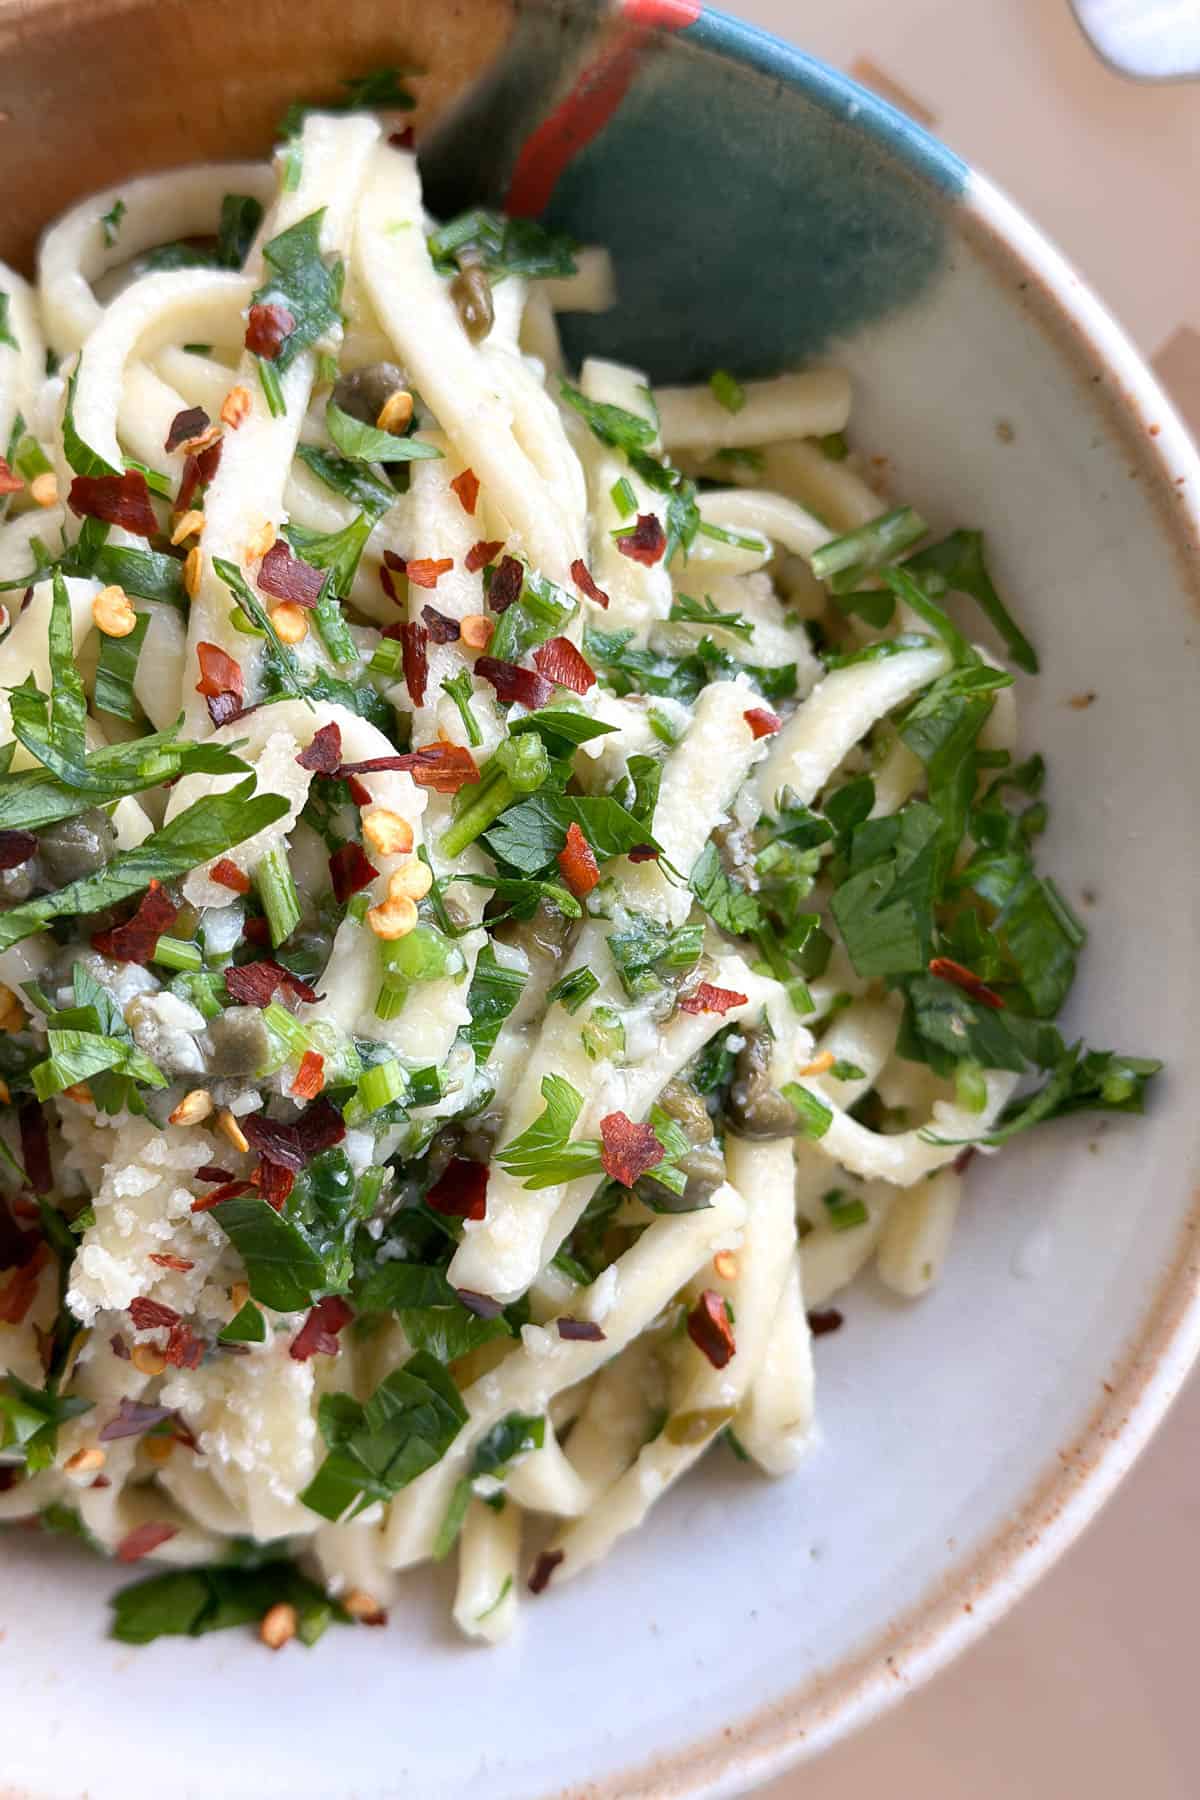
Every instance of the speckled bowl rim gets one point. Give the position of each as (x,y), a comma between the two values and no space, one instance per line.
(1148,1374)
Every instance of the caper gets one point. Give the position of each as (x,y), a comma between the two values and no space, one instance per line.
(364,392)
(471,292)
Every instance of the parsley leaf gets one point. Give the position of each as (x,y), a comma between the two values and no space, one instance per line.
(530,834)
(283,1268)
(685,610)
(379,88)
(515,1435)
(493,993)
(884,910)
(542,1155)
(406,1426)
(192,1602)
(347,478)
(31,798)
(30,1418)
(241,216)
(727,903)
(6,336)
(300,281)
(366,443)
(116,671)
(502,246)
(431,1314)
(613,425)
(956,565)
(110,222)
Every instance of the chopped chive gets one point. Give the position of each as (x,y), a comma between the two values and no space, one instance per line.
(356,907)
(844,560)
(277,891)
(970,1087)
(387,657)
(391,999)
(158,484)
(293,162)
(295,1037)
(623,497)
(604,1035)
(203,991)
(462,691)
(738,539)
(815,1117)
(683,947)
(844,1212)
(574,989)
(327,370)
(271,387)
(380,1085)
(198,349)
(665,729)
(727,390)
(489,798)
(174,953)
(30,460)
(332,628)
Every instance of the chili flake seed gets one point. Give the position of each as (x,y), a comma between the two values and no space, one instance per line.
(396,412)
(387,832)
(112,612)
(477,631)
(193,568)
(278,1626)
(12,1013)
(364,1607)
(192,1108)
(259,543)
(147,1360)
(229,1128)
(235,407)
(725,1263)
(290,622)
(85,1462)
(412,882)
(394,919)
(820,1065)
(43,489)
(189,524)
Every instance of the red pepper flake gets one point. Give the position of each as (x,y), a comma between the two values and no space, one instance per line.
(137,940)
(508,578)
(17,1293)
(646,543)
(255,983)
(402,140)
(963,1158)
(559,661)
(709,1328)
(414,657)
(143,1539)
(267,328)
(577,861)
(318,1334)
(191,423)
(947,970)
(628,1151)
(122,500)
(164,1261)
(443,767)
(762,722)
(294,1145)
(389,587)
(642,853)
(229,1190)
(581,575)
(10,483)
(147,1315)
(288,577)
(709,999)
(582,1331)
(460,1192)
(426,571)
(482,553)
(310,1076)
(227,874)
(275,1182)
(212,1172)
(543,1569)
(132,1418)
(349,871)
(513,683)
(183,1349)
(466,486)
(442,629)
(220,682)
(198,471)
(16,847)
(257,931)
(825,1320)
(119,1347)
(324,754)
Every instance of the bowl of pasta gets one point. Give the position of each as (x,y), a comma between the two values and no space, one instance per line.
(595,631)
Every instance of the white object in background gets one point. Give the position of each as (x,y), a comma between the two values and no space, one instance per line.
(1151,40)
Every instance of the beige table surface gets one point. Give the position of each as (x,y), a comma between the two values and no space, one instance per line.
(1089,1689)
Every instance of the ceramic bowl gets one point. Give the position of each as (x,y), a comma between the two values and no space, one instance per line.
(762,210)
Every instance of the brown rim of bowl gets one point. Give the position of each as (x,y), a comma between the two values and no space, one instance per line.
(1148,1374)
